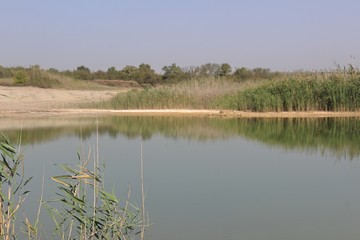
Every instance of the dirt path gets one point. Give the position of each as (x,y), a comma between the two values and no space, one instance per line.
(37,102)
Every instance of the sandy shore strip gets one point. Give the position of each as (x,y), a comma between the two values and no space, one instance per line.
(32,102)
(171,112)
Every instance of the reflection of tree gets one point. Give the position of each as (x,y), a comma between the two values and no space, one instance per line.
(337,135)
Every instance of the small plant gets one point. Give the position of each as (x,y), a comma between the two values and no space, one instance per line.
(87,210)
(12,186)
(84,209)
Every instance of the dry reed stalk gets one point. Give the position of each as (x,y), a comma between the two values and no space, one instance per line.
(142,191)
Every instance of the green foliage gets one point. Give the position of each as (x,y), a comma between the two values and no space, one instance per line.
(53,70)
(83,73)
(87,209)
(12,188)
(146,75)
(5,72)
(34,76)
(242,74)
(20,77)
(112,73)
(209,70)
(334,93)
(173,73)
(224,70)
(129,72)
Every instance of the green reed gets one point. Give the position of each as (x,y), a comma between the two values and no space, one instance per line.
(331,91)
(334,93)
(84,209)
(13,186)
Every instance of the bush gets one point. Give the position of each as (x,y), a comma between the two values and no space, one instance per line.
(20,77)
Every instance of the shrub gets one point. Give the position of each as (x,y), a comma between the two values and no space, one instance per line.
(20,77)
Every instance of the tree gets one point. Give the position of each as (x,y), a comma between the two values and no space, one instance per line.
(224,70)
(129,72)
(112,73)
(99,74)
(83,68)
(209,70)
(53,70)
(146,74)
(242,73)
(261,73)
(173,72)
(5,72)
(83,73)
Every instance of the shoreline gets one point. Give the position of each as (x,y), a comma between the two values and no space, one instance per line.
(32,102)
(170,112)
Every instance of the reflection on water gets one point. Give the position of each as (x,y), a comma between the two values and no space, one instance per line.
(338,136)
(211,178)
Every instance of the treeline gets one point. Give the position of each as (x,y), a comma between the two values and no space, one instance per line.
(143,74)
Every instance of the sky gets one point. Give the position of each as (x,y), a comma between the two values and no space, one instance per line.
(283,35)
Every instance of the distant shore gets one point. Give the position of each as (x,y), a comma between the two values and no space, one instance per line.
(37,102)
(171,112)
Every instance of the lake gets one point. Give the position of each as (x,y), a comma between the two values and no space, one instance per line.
(212,178)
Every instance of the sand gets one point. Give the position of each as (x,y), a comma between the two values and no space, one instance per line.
(38,102)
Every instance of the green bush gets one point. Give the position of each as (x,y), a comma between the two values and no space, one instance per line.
(20,77)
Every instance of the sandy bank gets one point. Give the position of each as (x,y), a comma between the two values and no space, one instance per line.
(37,102)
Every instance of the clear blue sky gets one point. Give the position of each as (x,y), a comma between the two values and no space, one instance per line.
(277,34)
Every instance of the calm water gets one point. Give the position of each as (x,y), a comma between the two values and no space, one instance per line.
(217,178)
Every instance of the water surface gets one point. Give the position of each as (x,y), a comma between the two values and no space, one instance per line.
(217,178)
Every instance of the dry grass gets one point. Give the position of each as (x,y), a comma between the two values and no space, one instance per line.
(316,91)
(45,79)
(64,82)
(193,94)
(6,81)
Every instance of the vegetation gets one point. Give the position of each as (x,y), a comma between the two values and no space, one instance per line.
(37,77)
(87,210)
(209,86)
(143,74)
(195,94)
(84,209)
(325,93)
(313,92)
(12,186)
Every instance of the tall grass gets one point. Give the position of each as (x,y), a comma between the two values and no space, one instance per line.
(328,91)
(36,77)
(13,186)
(334,93)
(194,94)
(84,209)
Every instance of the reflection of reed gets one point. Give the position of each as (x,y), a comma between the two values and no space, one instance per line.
(338,136)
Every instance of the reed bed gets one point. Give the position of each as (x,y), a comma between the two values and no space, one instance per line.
(192,94)
(327,91)
(333,93)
